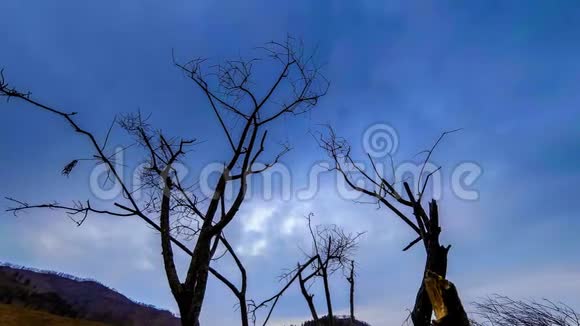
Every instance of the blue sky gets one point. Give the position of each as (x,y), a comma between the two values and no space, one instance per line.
(508,73)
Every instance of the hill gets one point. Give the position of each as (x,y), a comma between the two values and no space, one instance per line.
(68,296)
(12,315)
(338,321)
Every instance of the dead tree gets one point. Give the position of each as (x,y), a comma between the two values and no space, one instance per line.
(350,280)
(233,97)
(332,250)
(422,220)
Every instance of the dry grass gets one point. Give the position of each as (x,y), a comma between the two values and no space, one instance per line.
(11,315)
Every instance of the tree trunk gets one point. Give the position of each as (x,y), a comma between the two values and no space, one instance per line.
(446,302)
(200,282)
(350,280)
(308,297)
(186,311)
(190,305)
(244,313)
(183,294)
(191,299)
(328,298)
(193,289)
(185,321)
(436,263)
(188,321)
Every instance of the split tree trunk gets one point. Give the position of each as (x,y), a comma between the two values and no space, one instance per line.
(436,263)
(446,303)
(192,291)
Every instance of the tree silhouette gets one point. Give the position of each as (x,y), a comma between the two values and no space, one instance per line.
(230,91)
(422,219)
(351,279)
(332,251)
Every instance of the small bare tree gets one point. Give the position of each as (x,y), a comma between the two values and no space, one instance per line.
(422,219)
(332,251)
(174,209)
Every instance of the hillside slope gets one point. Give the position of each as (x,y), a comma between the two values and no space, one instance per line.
(68,296)
(12,315)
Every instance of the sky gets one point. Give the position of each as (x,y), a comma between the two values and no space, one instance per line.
(507,73)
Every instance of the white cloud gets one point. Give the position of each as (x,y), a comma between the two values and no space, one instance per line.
(254,248)
(258,218)
(255,222)
(290,224)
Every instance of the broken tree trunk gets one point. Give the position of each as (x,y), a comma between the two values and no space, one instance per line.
(445,301)
(436,262)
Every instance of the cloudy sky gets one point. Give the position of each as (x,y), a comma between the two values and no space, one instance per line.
(507,73)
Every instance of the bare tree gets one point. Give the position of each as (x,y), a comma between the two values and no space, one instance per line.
(332,250)
(350,280)
(233,96)
(423,220)
(502,311)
